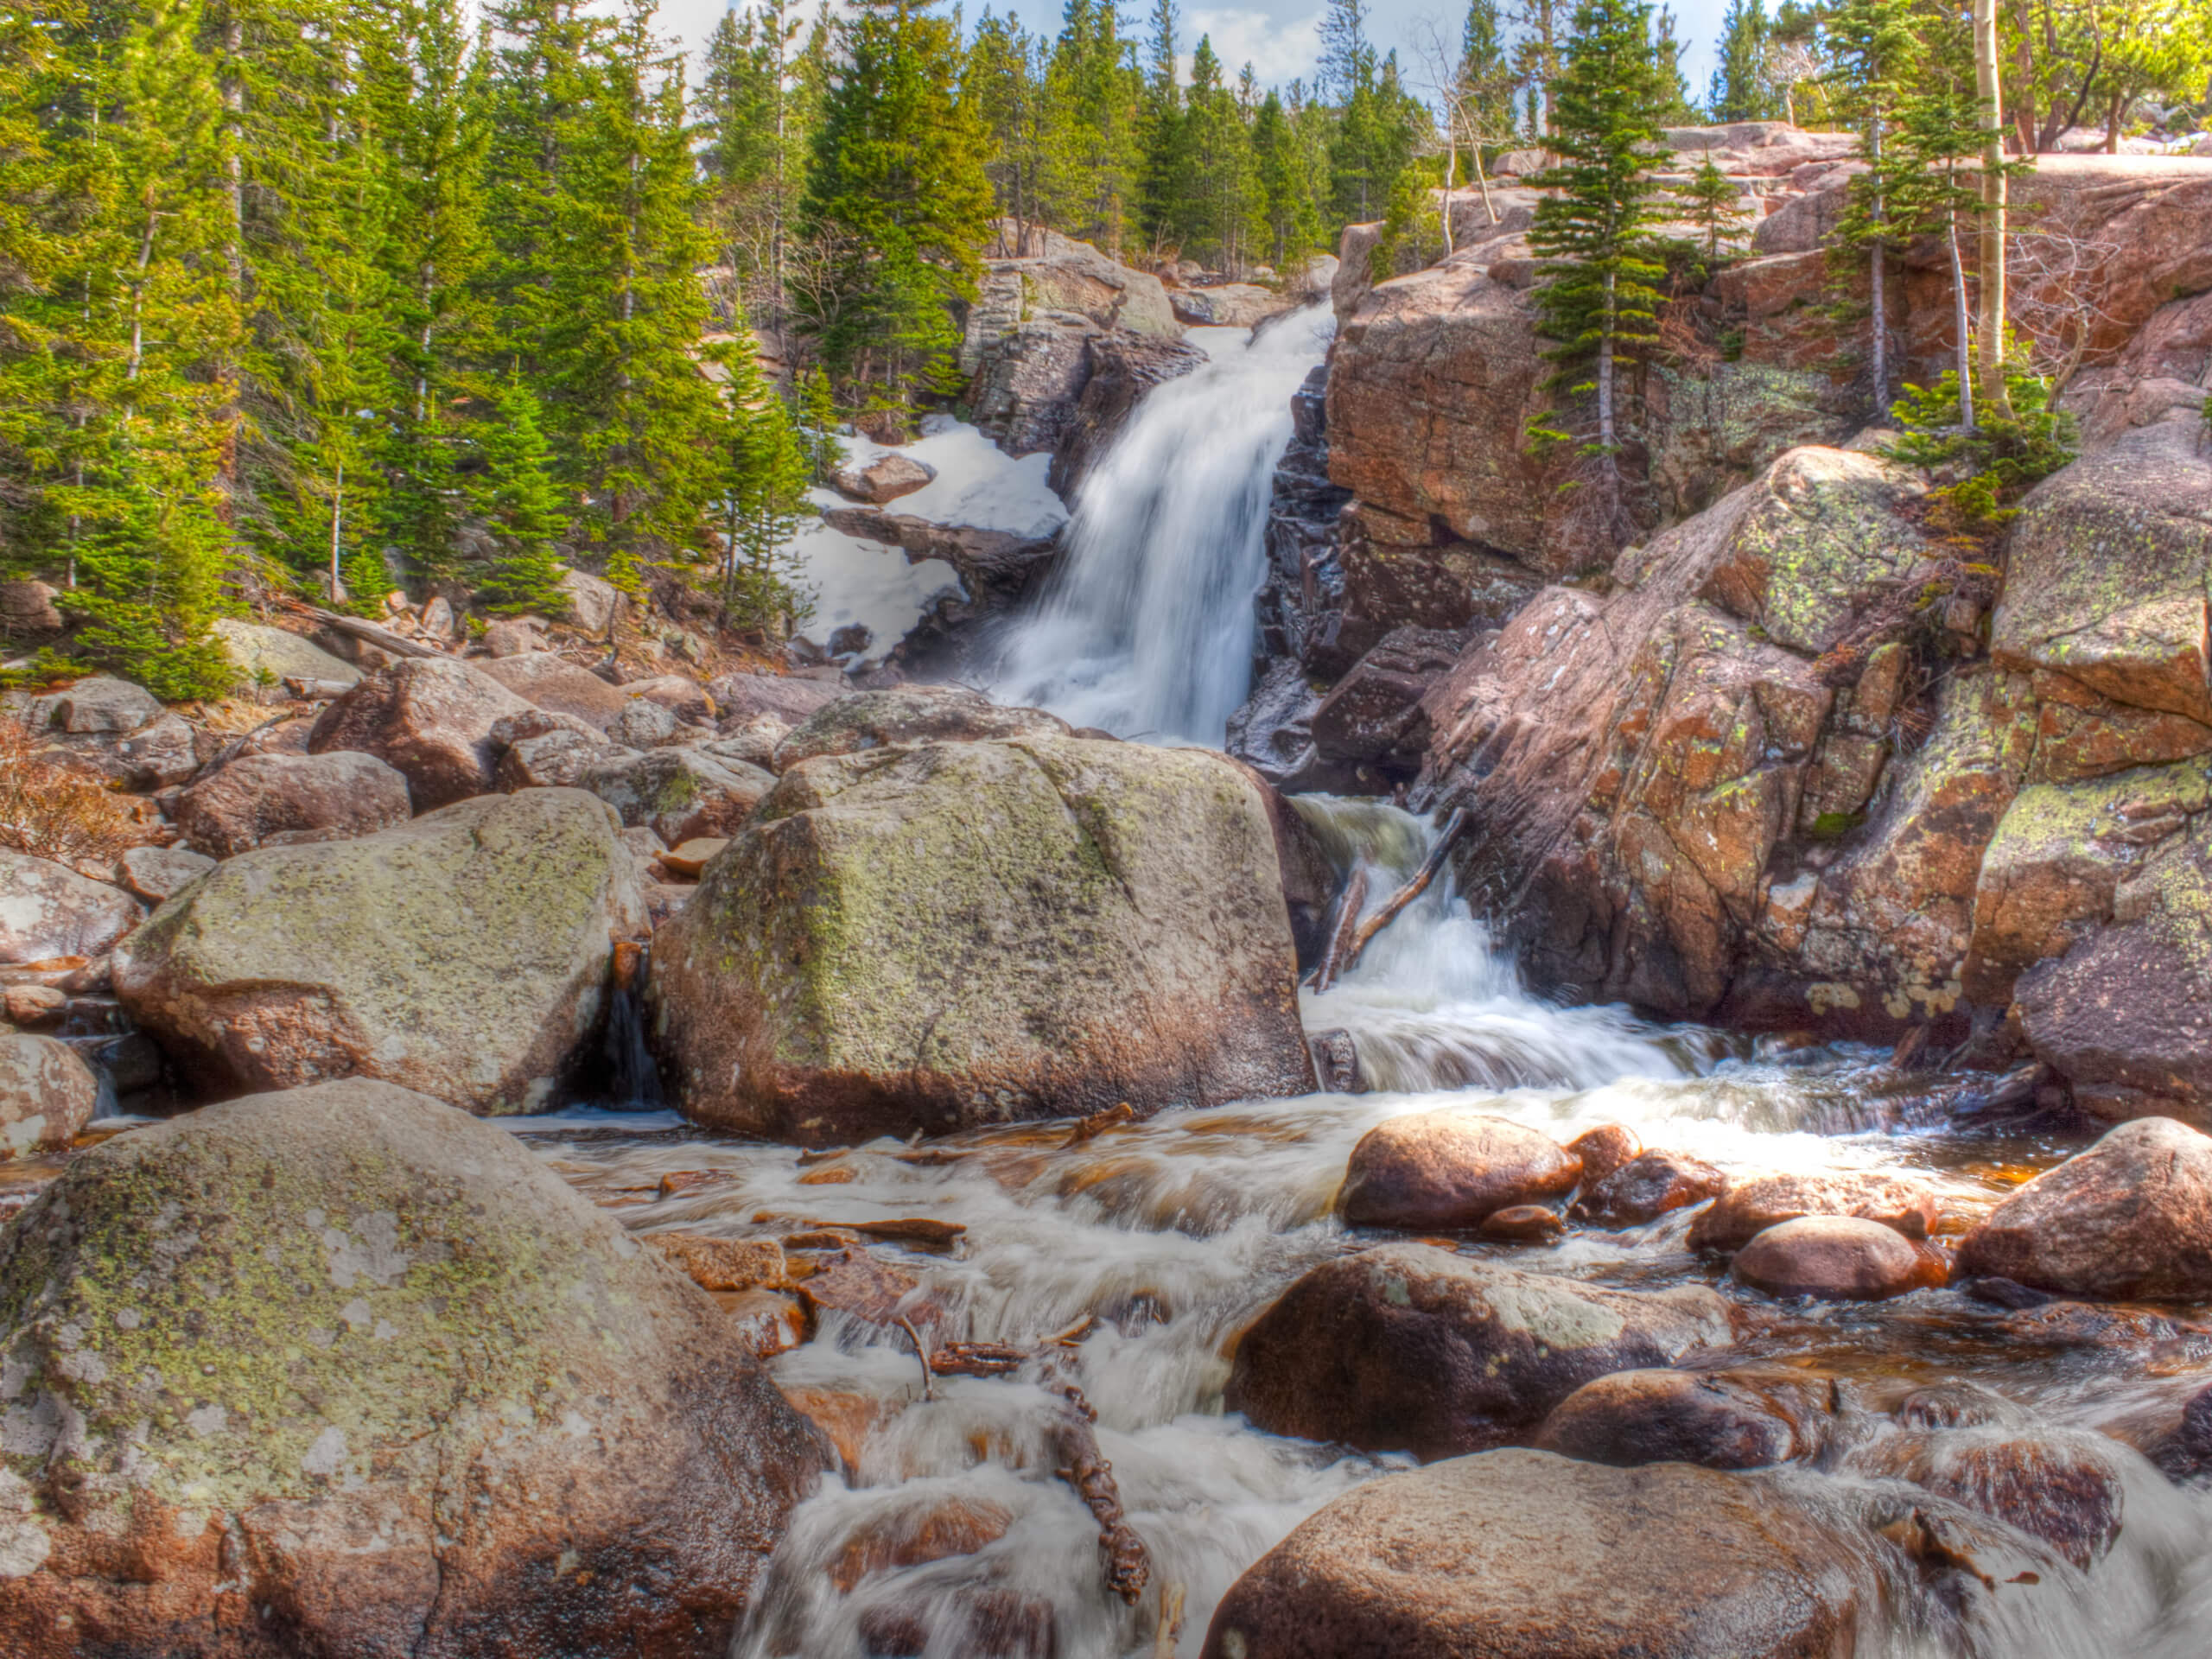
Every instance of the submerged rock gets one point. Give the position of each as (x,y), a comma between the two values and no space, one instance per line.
(1452,1169)
(967,933)
(1410,1348)
(1514,1554)
(464,953)
(341,1370)
(2131,1218)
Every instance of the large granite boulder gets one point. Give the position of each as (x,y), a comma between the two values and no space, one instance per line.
(556,684)
(965,933)
(261,800)
(48,911)
(341,1371)
(1514,1554)
(429,718)
(1410,1348)
(95,705)
(465,954)
(910,714)
(264,653)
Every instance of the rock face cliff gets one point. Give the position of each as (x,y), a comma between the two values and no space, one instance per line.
(1799,758)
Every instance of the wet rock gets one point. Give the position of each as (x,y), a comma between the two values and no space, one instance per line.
(154,873)
(1647,1187)
(1410,1348)
(95,705)
(864,1287)
(2130,1219)
(47,1094)
(1746,1418)
(715,1263)
(429,719)
(464,953)
(930,1528)
(1534,1556)
(683,794)
(161,753)
(884,478)
(742,698)
(1374,715)
(1116,370)
(2067,1488)
(1751,1205)
(48,910)
(767,1322)
(2124,1014)
(1837,1259)
(1605,1149)
(910,714)
(258,800)
(979,932)
(266,655)
(1335,1061)
(1451,1169)
(1523,1223)
(556,684)
(287,1328)
(1957,1404)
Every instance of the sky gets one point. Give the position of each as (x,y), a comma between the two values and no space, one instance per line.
(1281,39)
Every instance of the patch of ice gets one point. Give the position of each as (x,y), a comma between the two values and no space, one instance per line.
(978,483)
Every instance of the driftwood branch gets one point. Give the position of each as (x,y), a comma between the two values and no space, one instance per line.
(1349,936)
(1072,1439)
(359,628)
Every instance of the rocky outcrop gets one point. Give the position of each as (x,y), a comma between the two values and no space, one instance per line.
(48,911)
(1550,1559)
(464,953)
(1410,1348)
(1118,369)
(996,566)
(266,800)
(47,1094)
(341,1371)
(430,719)
(962,933)
(2131,1218)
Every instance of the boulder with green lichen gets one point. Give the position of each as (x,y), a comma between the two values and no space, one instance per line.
(962,933)
(464,953)
(343,1370)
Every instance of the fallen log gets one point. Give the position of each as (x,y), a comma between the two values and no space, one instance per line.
(1343,922)
(1338,962)
(360,628)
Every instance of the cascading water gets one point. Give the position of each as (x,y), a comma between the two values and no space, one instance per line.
(1146,628)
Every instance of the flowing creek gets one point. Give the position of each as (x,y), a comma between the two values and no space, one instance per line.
(950,1532)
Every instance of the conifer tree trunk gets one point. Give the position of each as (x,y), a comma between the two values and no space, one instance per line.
(1990,253)
(1877,282)
(1605,377)
(1960,321)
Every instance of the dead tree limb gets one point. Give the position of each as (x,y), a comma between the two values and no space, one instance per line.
(1072,1439)
(382,638)
(1350,935)
(1343,922)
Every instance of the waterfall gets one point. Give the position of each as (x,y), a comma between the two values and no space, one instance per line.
(1146,628)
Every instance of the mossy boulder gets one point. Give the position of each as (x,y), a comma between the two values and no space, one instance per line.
(464,953)
(963,933)
(909,713)
(341,1370)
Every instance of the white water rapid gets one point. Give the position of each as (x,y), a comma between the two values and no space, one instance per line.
(949,1531)
(1146,628)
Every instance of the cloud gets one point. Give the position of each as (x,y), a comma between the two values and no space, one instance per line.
(1279,52)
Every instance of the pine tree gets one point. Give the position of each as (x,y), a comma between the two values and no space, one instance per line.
(1290,217)
(1740,89)
(144,475)
(1876,47)
(516,494)
(1675,109)
(818,425)
(1160,133)
(1092,119)
(1714,204)
(1599,297)
(1939,138)
(897,203)
(765,473)
(751,122)
(1004,81)
(1535,57)
(1216,213)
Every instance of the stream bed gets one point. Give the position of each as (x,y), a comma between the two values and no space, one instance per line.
(1153,1244)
